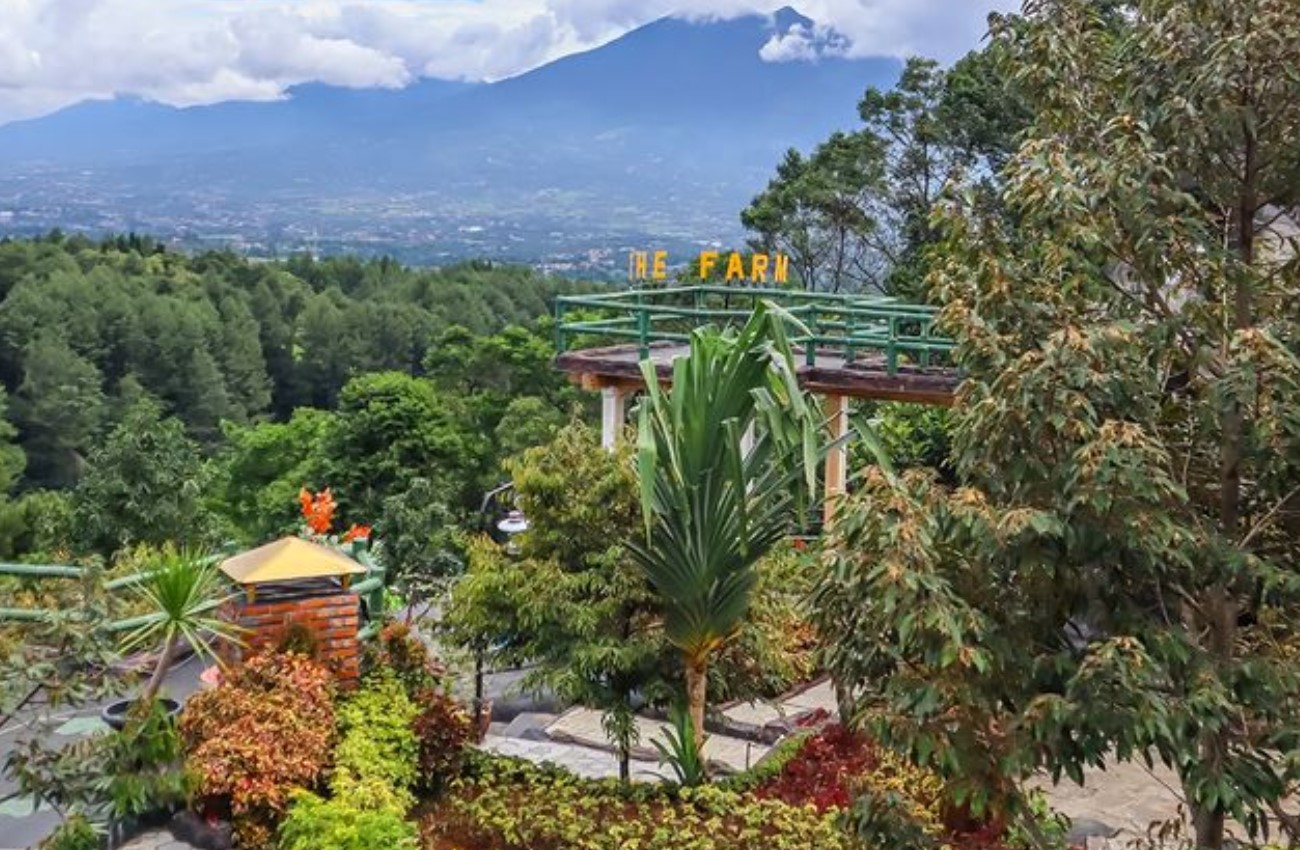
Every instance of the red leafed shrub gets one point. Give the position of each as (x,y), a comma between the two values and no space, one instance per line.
(267,729)
(444,729)
(824,770)
(401,652)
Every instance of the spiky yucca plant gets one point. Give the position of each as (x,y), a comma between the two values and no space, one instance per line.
(712,509)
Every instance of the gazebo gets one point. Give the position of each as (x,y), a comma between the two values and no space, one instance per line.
(289,559)
(295,583)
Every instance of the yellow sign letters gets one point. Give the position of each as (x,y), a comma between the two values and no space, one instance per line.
(756,268)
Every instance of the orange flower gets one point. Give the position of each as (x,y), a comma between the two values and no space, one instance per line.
(318,510)
(357,532)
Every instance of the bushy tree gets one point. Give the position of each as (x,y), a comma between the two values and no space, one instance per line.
(854,214)
(261,470)
(574,604)
(59,406)
(1117,579)
(392,428)
(145,484)
(417,533)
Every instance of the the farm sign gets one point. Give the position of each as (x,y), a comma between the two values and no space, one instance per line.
(752,268)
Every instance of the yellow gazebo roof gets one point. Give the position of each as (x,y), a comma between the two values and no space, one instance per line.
(287,559)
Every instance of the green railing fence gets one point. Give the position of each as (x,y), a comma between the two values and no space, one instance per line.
(845,326)
(370,589)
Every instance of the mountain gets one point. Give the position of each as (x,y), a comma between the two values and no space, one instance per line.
(664,132)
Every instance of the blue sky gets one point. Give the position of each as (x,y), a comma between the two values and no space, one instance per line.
(57,52)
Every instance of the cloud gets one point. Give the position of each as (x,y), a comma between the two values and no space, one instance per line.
(57,52)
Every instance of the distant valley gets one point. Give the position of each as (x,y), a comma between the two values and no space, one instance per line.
(657,138)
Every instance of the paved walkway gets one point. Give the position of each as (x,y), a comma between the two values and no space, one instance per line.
(157,840)
(582,728)
(593,764)
(22,824)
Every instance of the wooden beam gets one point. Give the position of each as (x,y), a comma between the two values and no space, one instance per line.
(619,366)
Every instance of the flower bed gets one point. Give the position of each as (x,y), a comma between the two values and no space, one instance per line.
(505,804)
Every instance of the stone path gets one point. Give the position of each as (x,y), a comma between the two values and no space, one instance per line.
(1127,796)
(156,840)
(582,728)
(593,764)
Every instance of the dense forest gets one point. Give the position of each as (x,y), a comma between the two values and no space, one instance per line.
(151,395)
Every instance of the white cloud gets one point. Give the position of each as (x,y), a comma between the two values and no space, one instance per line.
(56,52)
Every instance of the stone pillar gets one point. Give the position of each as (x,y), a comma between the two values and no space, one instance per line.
(613,415)
(837,412)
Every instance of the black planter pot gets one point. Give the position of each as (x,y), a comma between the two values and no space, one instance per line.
(114,714)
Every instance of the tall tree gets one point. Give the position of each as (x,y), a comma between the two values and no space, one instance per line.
(573,606)
(241,359)
(145,484)
(13,460)
(1118,579)
(59,405)
(855,213)
(392,429)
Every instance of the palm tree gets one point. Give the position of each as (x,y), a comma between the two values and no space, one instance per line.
(712,510)
(184,589)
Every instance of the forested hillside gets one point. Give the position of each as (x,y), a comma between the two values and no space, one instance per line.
(151,395)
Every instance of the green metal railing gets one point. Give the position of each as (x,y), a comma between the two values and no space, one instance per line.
(371,589)
(844,326)
(39,572)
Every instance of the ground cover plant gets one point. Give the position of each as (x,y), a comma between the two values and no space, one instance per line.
(375,768)
(810,793)
(505,804)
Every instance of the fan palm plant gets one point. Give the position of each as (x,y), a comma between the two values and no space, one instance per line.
(184,590)
(711,508)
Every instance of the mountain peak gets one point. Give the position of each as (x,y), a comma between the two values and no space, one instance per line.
(787,17)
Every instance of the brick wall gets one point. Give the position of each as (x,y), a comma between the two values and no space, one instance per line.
(333,622)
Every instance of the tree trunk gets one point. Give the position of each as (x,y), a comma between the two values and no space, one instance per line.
(159,673)
(696,684)
(844,702)
(1208,825)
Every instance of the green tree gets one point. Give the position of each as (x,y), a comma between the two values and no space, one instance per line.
(59,405)
(824,212)
(711,510)
(145,484)
(323,355)
(261,469)
(528,421)
(854,214)
(38,525)
(241,358)
(392,428)
(1117,579)
(13,460)
(417,532)
(574,605)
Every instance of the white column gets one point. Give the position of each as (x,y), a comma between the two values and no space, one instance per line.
(837,411)
(613,411)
